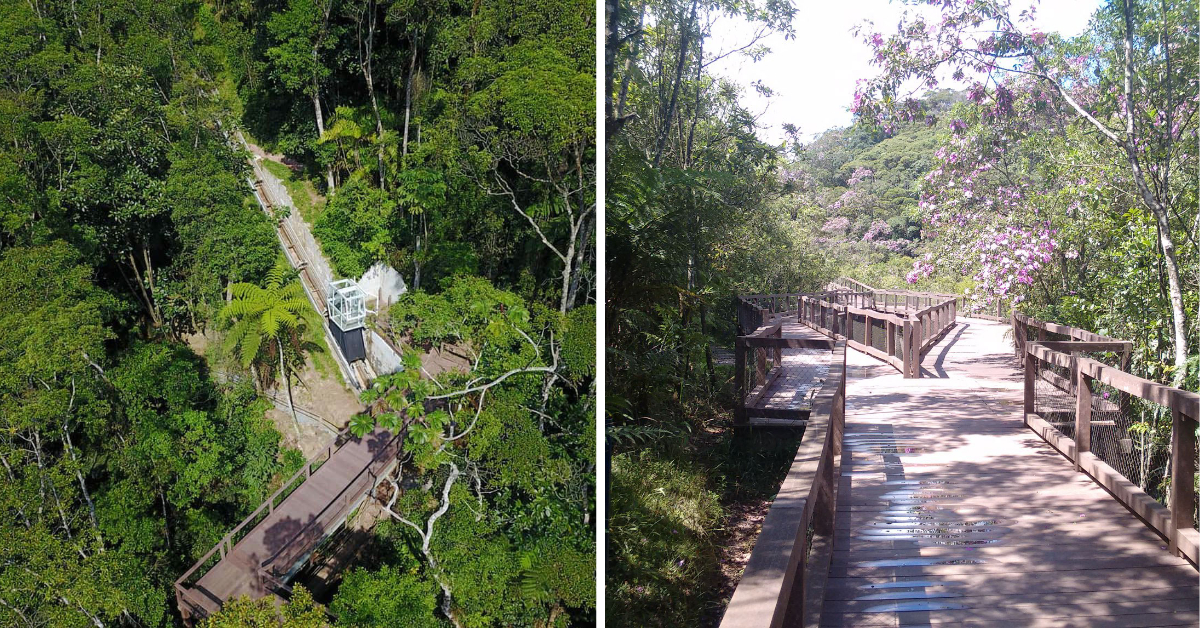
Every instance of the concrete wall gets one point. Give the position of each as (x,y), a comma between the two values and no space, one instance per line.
(380,354)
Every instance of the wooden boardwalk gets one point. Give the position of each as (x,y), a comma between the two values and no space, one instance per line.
(293,529)
(799,377)
(951,512)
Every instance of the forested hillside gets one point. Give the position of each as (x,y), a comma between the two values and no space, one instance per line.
(146,313)
(1061,180)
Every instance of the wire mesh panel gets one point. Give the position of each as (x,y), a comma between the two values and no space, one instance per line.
(1052,336)
(1133,436)
(1054,396)
(859,333)
(879,334)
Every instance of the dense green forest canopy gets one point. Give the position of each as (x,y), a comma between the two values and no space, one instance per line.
(452,140)
(1012,190)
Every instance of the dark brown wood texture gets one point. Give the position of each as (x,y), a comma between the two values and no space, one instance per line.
(778,576)
(1174,523)
(288,525)
(951,512)
(949,507)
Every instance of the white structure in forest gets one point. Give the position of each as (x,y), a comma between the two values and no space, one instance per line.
(383,285)
(347,307)
(347,304)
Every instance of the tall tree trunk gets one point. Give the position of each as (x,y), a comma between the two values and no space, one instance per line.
(408,91)
(287,382)
(70,447)
(366,53)
(685,40)
(147,297)
(612,13)
(1156,205)
(580,263)
(321,130)
(316,95)
(630,59)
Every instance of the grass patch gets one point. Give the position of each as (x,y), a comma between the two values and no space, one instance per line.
(673,523)
(300,189)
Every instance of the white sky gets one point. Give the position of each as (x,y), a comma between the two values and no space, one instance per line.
(813,75)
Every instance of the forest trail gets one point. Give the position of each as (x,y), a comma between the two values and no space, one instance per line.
(951,511)
(298,232)
(316,273)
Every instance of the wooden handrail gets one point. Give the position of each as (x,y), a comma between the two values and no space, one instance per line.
(367,471)
(1026,328)
(919,330)
(225,546)
(226,543)
(1175,521)
(783,583)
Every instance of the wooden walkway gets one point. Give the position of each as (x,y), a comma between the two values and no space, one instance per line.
(799,377)
(294,528)
(951,512)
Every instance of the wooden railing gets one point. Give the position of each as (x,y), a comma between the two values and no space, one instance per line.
(758,359)
(1027,329)
(849,285)
(996,310)
(890,300)
(283,561)
(901,339)
(1046,362)
(756,310)
(193,602)
(891,326)
(784,580)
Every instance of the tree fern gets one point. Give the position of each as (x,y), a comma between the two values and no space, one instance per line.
(267,325)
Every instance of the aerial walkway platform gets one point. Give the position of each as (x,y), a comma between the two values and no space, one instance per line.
(259,556)
(970,482)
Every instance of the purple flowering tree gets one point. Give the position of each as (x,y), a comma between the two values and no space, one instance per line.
(1131,82)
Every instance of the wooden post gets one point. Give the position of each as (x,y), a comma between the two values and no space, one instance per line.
(739,381)
(1018,335)
(906,348)
(1183,478)
(890,343)
(1030,373)
(1083,411)
(760,365)
(918,340)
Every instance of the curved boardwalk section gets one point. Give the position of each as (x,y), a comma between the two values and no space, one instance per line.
(951,512)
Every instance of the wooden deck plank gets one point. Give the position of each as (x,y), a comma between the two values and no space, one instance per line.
(923,457)
(982,600)
(1052,614)
(792,386)
(235,575)
(1012,583)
